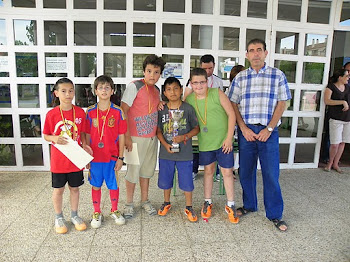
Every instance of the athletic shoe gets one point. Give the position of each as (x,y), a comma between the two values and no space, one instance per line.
(118,218)
(217,177)
(206,209)
(194,175)
(78,223)
(147,206)
(190,214)
(163,210)
(129,211)
(96,220)
(232,215)
(60,225)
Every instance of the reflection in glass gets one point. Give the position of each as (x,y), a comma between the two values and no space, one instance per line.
(174,6)
(173,35)
(55,4)
(141,5)
(289,68)
(315,45)
(23,3)
(55,32)
(5,96)
(230,7)
(114,33)
(284,153)
(32,155)
(85,64)
(257,8)
(118,93)
(27,64)
(201,36)
(28,96)
(307,126)
(84,96)
(345,13)
(287,43)
(25,32)
(85,33)
(304,153)
(4,68)
(312,73)
(289,10)
(138,64)
(6,126)
(285,128)
(3,40)
(202,6)
(229,38)
(144,34)
(30,125)
(290,102)
(173,58)
(78,4)
(114,65)
(319,11)
(50,96)
(224,65)
(115,4)
(195,61)
(310,100)
(56,65)
(7,155)
(253,33)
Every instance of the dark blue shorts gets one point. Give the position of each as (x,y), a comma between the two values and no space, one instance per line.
(224,160)
(167,170)
(103,171)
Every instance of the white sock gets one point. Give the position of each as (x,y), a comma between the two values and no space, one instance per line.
(230,203)
(208,200)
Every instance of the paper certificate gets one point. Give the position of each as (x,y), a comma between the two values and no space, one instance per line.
(75,153)
(132,157)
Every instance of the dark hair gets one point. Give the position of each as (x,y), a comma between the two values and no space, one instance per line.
(347,63)
(257,41)
(155,61)
(207,59)
(64,80)
(103,79)
(235,70)
(170,80)
(337,73)
(198,72)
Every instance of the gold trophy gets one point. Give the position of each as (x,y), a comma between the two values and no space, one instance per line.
(175,116)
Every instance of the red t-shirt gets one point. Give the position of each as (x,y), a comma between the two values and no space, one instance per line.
(114,126)
(55,126)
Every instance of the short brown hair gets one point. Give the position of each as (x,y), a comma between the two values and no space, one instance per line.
(155,61)
(103,79)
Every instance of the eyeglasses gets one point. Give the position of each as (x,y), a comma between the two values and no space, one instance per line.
(107,88)
(198,83)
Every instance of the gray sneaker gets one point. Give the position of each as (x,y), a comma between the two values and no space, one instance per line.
(78,223)
(96,220)
(118,218)
(129,211)
(60,226)
(147,206)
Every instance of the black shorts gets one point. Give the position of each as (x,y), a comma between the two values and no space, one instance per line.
(74,179)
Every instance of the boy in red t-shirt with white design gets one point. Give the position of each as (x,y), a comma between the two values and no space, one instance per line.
(70,119)
(105,135)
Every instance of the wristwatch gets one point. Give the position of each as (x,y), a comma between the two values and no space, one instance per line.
(121,158)
(269,128)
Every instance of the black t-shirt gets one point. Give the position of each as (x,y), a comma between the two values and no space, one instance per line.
(336,112)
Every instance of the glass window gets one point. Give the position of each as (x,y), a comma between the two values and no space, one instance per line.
(312,73)
(285,128)
(287,43)
(25,32)
(5,96)
(257,8)
(115,4)
(315,45)
(55,32)
(290,102)
(32,155)
(3,40)
(141,5)
(174,6)
(30,125)
(118,94)
(202,6)
(318,11)
(173,58)
(229,38)
(304,153)
(6,126)
(28,96)
(307,126)
(174,66)
(50,96)
(114,34)
(85,33)
(144,34)
(289,10)
(7,155)
(55,4)
(284,153)
(85,64)
(195,61)
(289,68)
(4,64)
(253,33)
(56,65)
(23,3)
(138,64)
(27,64)
(84,96)
(114,65)
(201,36)
(230,7)
(173,35)
(90,4)
(225,65)
(310,100)
(345,13)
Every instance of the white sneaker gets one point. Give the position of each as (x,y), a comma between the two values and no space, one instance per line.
(96,220)
(217,177)
(147,206)
(194,175)
(118,218)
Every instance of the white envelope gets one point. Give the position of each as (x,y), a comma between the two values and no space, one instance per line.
(132,157)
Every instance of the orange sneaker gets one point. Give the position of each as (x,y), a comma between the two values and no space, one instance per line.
(190,214)
(60,226)
(206,209)
(232,216)
(163,210)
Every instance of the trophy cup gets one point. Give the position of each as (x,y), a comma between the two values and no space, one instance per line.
(176,116)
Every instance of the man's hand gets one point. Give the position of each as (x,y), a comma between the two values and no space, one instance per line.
(249,135)
(128,143)
(263,135)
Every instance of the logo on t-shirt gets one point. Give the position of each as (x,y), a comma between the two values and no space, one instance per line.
(111,121)
(95,122)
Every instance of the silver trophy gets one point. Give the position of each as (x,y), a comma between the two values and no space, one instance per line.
(175,116)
